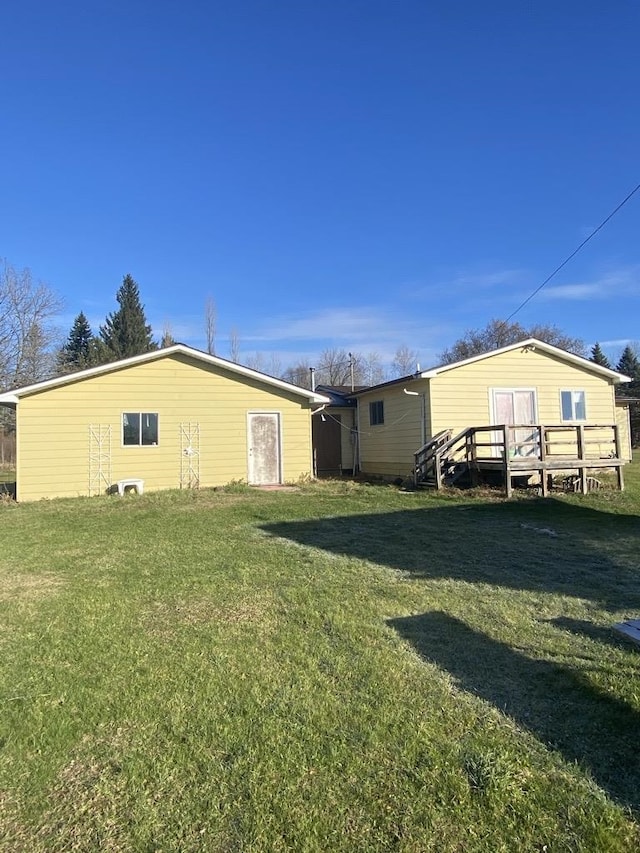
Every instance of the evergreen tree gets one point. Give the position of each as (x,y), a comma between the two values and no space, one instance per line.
(76,352)
(125,332)
(598,357)
(629,364)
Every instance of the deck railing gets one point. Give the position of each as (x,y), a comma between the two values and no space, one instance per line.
(520,450)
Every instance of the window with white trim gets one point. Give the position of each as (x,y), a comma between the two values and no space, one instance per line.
(573,406)
(139,429)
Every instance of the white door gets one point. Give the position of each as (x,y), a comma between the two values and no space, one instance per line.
(517,406)
(264,449)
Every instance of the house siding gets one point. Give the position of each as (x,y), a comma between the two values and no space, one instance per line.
(624,426)
(387,450)
(462,397)
(54,426)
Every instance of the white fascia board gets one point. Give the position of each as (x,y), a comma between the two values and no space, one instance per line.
(532,343)
(176,349)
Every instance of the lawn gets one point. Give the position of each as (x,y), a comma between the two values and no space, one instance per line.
(343,667)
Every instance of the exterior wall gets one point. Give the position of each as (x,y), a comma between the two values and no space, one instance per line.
(387,449)
(53,427)
(462,397)
(343,419)
(347,448)
(624,426)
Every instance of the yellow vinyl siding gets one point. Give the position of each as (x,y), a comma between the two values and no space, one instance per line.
(387,449)
(53,426)
(624,426)
(462,397)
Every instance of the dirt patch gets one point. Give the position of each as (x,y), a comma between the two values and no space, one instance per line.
(163,619)
(27,587)
(86,806)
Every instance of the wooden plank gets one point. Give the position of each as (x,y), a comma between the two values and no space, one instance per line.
(630,628)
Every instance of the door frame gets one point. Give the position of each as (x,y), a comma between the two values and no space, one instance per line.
(278,416)
(506,390)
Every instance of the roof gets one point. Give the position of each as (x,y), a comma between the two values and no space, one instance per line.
(527,344)
(177,349)
(340,395)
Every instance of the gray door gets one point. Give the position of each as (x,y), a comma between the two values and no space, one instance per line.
(264,449)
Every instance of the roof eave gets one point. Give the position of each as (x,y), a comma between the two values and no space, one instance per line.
(176,349)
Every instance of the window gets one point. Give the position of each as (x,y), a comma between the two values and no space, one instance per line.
(573,406)
(376,413)
(139,428)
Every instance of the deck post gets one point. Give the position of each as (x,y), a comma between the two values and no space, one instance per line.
(507,461)
(437,470)
(619,474)
(582,470)
(472,460)
(544,479)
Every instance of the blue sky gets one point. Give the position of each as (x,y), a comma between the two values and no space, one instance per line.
(356,174)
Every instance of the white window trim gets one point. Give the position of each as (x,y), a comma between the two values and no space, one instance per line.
(492,400)
(137,412)
(573,391)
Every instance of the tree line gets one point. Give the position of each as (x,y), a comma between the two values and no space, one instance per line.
(29,351)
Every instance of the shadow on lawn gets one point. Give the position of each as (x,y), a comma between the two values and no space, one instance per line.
(546,545)
(555,703)
(580,627)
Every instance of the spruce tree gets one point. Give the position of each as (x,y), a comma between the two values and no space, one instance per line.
(629,364)
(598,357)
(75,353)
(125,332)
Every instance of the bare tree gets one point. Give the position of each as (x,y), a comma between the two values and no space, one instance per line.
(255,361)
(210,324)
(373,371)
(274,365)
(298,374)
(265,363)
(234,345)
(338,367)
(499,333)
(167,339)
(27,337)
(405,361)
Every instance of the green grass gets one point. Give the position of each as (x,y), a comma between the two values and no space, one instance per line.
(345,667)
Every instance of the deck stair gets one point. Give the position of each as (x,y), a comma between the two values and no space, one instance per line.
(515,454)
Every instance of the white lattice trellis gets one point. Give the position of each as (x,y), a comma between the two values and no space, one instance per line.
(99,458)
(189,455)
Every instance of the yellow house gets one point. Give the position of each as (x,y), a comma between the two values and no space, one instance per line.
(528,383)
(173,418)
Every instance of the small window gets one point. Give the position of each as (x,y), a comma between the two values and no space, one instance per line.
(139,428)
(376,413)
(573,406)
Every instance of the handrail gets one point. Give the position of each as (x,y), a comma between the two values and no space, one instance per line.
(444,452)
(433,441)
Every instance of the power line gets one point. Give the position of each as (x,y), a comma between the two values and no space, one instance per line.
(574,253)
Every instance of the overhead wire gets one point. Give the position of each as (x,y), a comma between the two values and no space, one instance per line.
(574,253)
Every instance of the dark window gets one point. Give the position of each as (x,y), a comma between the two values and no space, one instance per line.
(376,413)
(139,428)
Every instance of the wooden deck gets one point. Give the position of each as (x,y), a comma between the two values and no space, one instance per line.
(512,453)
